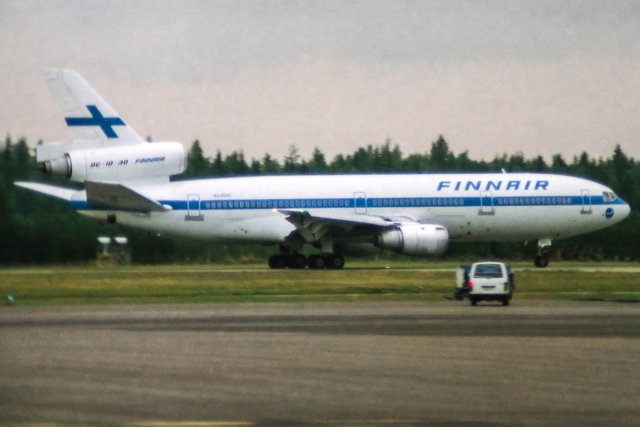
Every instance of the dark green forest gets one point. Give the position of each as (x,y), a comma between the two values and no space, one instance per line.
(38,230)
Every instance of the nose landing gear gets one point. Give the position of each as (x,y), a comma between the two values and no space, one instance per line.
(541,260)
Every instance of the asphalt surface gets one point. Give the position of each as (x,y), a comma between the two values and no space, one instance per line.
(356,364)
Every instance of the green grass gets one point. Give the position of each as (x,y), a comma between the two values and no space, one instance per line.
(251,283)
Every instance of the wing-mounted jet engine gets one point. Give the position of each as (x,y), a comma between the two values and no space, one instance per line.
(415,239)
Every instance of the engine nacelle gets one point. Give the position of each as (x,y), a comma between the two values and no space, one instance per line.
(415,239)
(122,163)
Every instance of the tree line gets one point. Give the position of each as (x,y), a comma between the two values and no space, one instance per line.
(39,230)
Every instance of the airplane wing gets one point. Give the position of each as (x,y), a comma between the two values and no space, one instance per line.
(312,227)
(119,197)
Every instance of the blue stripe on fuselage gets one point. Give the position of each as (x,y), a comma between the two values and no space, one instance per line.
(373,203)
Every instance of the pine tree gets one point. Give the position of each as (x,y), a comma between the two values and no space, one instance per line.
(198,164)
(317,164)
(270,166)
(440,157)
(217,167)
(291,160)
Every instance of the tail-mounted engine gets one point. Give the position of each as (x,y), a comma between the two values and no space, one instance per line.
(117,164)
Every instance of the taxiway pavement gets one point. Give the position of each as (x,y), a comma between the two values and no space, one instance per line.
(406,363)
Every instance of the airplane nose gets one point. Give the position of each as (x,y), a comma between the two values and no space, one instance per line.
(619,213)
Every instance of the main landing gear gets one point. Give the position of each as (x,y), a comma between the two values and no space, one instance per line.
(287,261)
(298,261)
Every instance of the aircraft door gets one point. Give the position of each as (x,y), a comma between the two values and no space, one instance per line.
(486,203)
(586,202)
(193,208)
(360,202)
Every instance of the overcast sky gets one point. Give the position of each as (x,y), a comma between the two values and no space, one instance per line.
(540,77)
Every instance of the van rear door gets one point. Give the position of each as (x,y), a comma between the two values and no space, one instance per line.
(488,278)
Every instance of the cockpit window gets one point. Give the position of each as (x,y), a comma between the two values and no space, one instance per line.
(608,196)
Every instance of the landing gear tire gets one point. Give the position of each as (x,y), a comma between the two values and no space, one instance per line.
(278,261)
(297,261)
(317,262)
(541,261)
(473,301)
(505,301)
(334,261)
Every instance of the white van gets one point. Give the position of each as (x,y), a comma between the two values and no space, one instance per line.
(485,281)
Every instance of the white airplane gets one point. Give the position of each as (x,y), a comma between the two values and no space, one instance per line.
(126,181)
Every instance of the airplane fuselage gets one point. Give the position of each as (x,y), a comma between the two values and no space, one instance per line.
(473,207)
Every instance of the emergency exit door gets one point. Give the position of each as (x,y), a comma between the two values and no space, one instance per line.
(193,208)
(586,202)
(360,202)
(486,203)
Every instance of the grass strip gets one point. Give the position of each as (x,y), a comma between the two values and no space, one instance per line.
(206,284)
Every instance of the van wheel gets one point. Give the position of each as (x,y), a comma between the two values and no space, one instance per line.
(505,301)
(473,301)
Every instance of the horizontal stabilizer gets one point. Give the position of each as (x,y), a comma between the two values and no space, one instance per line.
(50,190)
(119,197)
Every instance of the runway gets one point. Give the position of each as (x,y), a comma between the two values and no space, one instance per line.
(535,363)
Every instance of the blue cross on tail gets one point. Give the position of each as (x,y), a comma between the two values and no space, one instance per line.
(97,119)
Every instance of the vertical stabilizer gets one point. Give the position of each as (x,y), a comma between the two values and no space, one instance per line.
(87,115)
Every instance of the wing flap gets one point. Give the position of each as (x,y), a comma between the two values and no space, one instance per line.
(354,219)
(314,227)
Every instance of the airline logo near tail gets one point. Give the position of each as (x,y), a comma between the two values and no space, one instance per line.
(86,113)
(97,119)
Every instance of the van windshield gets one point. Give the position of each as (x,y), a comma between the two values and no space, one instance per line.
(488,270)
